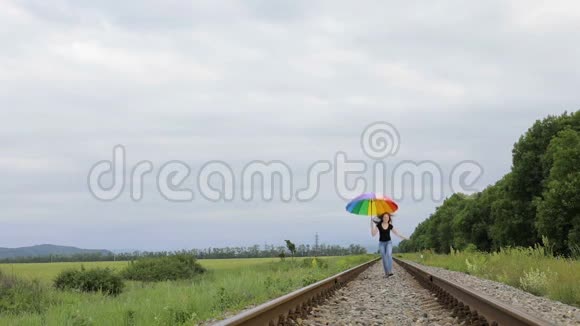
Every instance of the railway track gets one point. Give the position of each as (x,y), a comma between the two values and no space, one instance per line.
(468,305)
(412,297)
(288,308)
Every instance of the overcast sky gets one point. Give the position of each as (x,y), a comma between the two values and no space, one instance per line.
(239,81)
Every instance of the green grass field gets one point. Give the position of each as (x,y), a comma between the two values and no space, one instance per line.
(229,286)
(46,272)
(533,270)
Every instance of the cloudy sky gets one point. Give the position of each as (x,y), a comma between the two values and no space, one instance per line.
(240,81)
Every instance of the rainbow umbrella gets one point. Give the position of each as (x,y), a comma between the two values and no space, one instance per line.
(371,204)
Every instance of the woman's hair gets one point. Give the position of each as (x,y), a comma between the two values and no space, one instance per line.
(382,217)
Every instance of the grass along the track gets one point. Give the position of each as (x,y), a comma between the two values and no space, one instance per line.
(533,270)
(230,285)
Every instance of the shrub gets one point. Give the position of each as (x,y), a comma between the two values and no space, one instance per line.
(574,251)
(19,296)
(171,267)
(314,263)
(534,281)
(476,263)
(93,280)
(320,263)
(282,256)
(470,248)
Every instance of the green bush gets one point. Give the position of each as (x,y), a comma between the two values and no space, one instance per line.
(313,263)
(93,280)
(470,248)
(171,267)
(535,281)
(19,296)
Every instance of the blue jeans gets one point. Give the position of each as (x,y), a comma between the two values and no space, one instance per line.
(386,249)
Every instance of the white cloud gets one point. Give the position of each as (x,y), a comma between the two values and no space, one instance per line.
(545,16)
(36,165)
(402,76)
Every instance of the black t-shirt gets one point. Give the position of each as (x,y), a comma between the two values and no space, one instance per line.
(384,235)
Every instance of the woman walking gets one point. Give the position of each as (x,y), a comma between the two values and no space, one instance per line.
(383,225)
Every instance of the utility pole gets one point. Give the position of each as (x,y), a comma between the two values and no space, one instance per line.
(316,244)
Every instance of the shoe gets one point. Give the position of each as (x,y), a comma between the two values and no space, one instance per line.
(376,219)
(391,274)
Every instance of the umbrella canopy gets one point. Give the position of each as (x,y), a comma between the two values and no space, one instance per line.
(371,204)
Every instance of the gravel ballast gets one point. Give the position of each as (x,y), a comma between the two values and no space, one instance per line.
(553,311)
(371,299)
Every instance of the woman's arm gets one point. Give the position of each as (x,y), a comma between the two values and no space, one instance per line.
(399,235)
(374,229)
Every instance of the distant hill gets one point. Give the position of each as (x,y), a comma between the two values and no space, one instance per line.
(47,250)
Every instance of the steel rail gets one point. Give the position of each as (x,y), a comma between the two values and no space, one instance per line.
(467,304)
(296,304)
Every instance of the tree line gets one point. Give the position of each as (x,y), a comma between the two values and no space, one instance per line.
(255,251)
(537,201)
